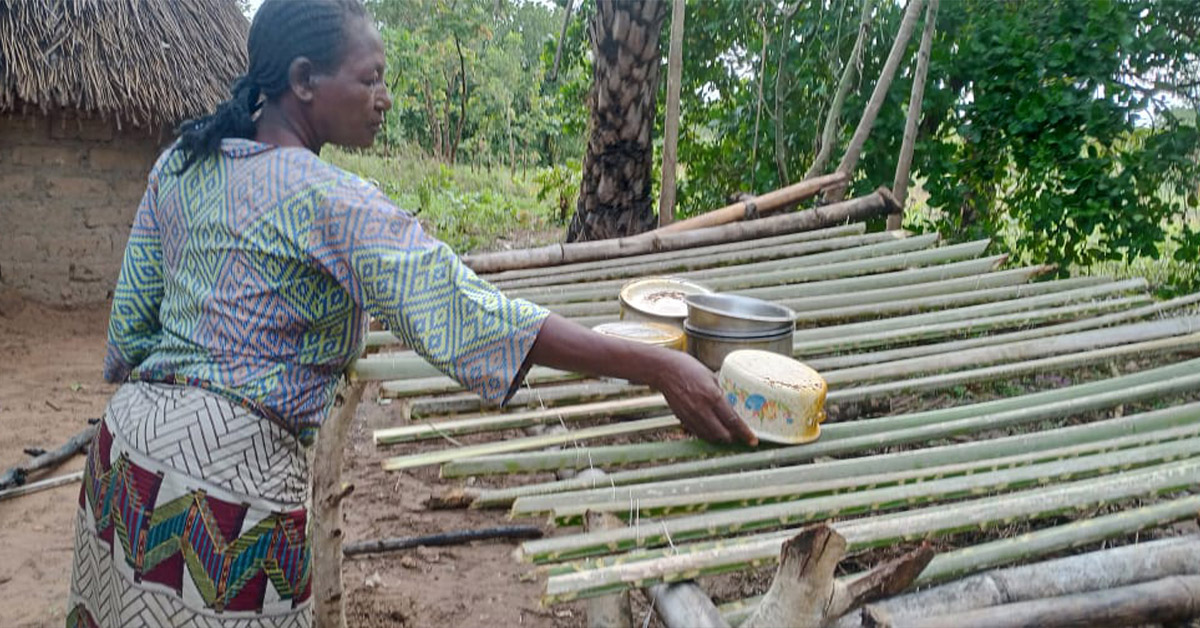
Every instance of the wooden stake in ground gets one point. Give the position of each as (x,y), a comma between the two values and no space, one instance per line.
(666,198)
(805,593)
(328,493)
(854,150)
(609,611)
(916,96)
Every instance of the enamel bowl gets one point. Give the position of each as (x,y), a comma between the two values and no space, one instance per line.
(658,300)
(780,399)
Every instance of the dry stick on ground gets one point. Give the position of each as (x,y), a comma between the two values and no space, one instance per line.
(829,133)
(850,158)
(16,475)
(456,537)
(1171,599)
(328,493)
(805,593)
(904,164)
(666,198)
(1082,573)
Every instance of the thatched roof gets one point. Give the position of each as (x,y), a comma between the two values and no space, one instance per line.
(140,62)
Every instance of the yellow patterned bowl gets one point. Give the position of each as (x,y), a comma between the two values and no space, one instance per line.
(780,399)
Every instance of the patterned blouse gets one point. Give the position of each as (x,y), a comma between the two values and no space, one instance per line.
(252,275)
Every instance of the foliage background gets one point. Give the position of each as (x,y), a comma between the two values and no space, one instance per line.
(1064,129)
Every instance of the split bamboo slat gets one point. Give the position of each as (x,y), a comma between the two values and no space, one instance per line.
(879,315)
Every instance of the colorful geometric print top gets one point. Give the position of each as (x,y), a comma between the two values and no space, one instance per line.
(253,272)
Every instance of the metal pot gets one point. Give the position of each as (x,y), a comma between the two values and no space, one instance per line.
(711,349)
(736,315)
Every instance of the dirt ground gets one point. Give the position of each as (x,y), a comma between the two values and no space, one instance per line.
(50,384)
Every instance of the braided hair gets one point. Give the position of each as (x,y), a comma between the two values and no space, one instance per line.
(282,31)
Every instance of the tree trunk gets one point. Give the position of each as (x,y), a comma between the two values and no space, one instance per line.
(780,147)
(904,164)
(462,103)
(829,133)
(666,201)
(854,150)
(614,194)
(762,75)
(562,36)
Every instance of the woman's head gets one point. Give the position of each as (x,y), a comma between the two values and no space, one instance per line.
(319,62)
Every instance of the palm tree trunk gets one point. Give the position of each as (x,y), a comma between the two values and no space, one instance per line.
(614,195)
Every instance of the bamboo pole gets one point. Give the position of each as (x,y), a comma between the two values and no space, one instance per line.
(997,279)
(890,355)
(578,458)
(1020,350)
(886,74)
(869,501)
(759,495)
(915,98)
(504,278)
(958,326)
(442,384)
(698,263)
(1164,601)
(441,539)
(778,269)
(987,309)
(871,471)
(644,569)
(666,199)
(439,429)
(1159,381)
(935,302)
(1082,573)
(877,203)
(438,457)
(542,396)
(846,287)
(764,204)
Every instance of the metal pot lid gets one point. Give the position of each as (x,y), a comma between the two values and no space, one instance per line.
(745,308)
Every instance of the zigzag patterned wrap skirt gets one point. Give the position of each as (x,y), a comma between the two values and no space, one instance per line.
(193,512)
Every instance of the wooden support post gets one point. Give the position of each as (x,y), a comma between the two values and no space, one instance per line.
(666,199)
(685,605)
(610,611)
(328,493)
(863,130)
(916,96)
(805,593)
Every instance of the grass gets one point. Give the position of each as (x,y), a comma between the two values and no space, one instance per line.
(470,209)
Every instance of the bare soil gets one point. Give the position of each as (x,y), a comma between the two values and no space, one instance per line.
(50,384)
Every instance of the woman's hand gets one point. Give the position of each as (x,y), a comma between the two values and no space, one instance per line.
(697,401)
(690,388)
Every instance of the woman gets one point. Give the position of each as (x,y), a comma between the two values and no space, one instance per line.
(250,272)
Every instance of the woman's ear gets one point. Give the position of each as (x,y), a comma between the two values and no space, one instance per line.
(301,78)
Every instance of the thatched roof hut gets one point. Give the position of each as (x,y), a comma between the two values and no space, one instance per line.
(141,62)
(89,93)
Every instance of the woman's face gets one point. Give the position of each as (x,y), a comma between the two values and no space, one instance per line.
(348,104)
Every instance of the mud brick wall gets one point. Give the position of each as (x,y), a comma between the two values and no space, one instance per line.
(68,191)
